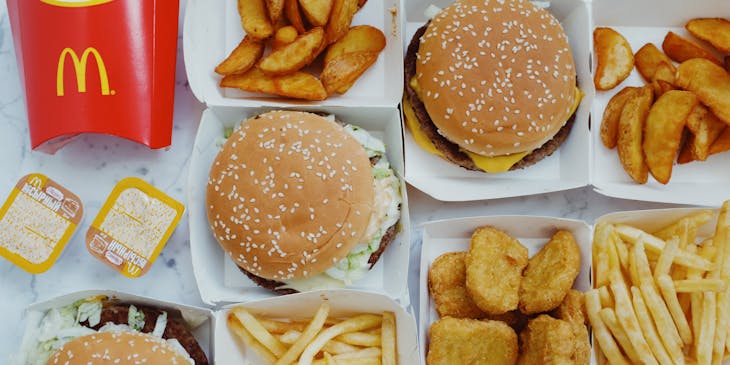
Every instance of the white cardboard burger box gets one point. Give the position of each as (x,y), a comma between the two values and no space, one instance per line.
(343,303)
(213,29)
(200,321)
(641,22)
(454,235)
(566,168)
(221,345)
(218,278)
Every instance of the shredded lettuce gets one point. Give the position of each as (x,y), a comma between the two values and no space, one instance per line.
(160,325)
(135,318)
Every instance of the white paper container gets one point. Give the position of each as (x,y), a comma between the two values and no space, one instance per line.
(200,320)
(219,281)
(641,22)
(213,28)
(453,235)
(567,168)
(343,302)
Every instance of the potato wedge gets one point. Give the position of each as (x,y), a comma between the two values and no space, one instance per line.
(648,58)
(715,31)
(612,114)
(663,131)
(663,79)
(361,38)
(727,63)
(361,3)
(630,134)
(316,11)
(342,13)
(253,80)
(275,8)
(242,58)
(284,36)
(710,82)
(293,56)
(722,143)
(614,58)
(291,10)
(681,49)
(661,87)
(300,85)
(345,69)
(255,19)
(685,152)
(705,127)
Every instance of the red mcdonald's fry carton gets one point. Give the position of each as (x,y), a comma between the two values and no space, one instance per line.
(96,66)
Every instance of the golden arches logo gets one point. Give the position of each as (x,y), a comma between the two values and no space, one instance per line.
(76,3)
(80,68)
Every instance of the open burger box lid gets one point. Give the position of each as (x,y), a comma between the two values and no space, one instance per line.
(221,345)
(218,278)
(642,22)
(453,235)
(566,168)
(213,28)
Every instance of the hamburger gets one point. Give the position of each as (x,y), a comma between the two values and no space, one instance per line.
(490,85)
(97,325)
(300,201)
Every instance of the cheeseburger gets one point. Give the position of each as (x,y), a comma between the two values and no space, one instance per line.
(490,85)
(124,333)
(300,201)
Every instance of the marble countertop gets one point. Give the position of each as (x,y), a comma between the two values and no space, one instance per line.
(91,165)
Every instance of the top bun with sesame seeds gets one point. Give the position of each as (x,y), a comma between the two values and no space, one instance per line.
(119,348)
(496,77)
(289,195)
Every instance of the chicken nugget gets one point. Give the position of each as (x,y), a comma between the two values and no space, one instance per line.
(469,341)
(547,341)
(447,285)
(494,265)
(572,310)
(549,274)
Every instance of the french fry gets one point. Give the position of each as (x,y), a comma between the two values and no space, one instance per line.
(695,220)
(670,298)
(614,58)
(663,131)
(340,18)
(655,246)
(648,58)
(647,327)
(664,263)
(600,332)
(350,361)
(242,58)
(337,347)
(255,19)
(360,339)
(306,337)
(284,36)
(628,320)
(289,337)
(715,31)
(388,339)
(611,115)
(705,338)
(291,10)
(681,49)
(634,271)
(293,56)
(345,69)
(353,324)
(630,134)
(254,327)
(329,359)
(606,298)
(609,318)
(700,285)
(623,251)
(722,241)
(705,127)
(316,11)
(249,341)
(600,254)
(710,82)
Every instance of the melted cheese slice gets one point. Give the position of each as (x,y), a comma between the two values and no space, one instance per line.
(489,164)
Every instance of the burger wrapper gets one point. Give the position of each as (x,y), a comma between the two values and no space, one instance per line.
(96,66)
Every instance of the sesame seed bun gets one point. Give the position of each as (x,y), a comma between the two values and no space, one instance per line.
(289,195)
(121,348)
(497,77)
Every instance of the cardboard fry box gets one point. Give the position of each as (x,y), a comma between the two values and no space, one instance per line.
(454,235)
(218,278)
(96,66)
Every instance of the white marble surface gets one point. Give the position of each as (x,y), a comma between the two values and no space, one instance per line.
(91,165)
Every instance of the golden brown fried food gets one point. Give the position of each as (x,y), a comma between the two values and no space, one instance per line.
(614,58)
(494,265)
(469,341)
(550,274)
(710,82)
(681,49)
(612,114)
(547,341)
(648,58)
(573,310)
(630,134)
(715,31)
(447,285)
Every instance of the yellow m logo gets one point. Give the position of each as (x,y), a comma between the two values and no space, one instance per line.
(80,70)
